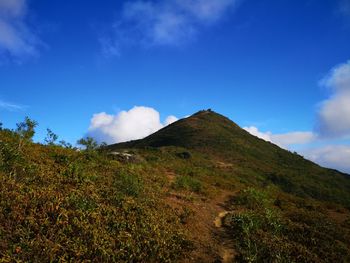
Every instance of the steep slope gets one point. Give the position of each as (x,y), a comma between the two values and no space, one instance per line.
(256,161)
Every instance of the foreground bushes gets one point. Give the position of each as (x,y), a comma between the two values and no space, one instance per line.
(266,233)
(42,224)
(59,204)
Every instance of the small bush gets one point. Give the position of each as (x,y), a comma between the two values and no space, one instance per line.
(83,203)
(253,198)
(74,172)
(11,159)
(259,237)
(89,143)
(128,184)
(187,183)
(265,234)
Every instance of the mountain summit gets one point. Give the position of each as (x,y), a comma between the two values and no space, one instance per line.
(219,138)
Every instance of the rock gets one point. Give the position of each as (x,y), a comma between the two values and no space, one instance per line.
(124,157)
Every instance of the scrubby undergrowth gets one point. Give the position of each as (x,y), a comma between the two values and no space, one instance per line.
(61,204)
(270,229)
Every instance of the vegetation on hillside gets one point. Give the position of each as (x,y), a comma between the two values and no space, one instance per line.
(285,229)
(59,203)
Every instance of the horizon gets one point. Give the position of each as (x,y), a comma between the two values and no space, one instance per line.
(123,70)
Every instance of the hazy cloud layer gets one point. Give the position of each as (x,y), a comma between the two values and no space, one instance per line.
(336,156)
(163,23)
(344,7)
(17,40)
(334,113)
(283,140)
(136,123)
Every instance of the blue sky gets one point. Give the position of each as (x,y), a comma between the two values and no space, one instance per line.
(279,68)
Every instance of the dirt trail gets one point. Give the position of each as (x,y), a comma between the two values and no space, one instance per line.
(218,220)
(227,252)
(212,243)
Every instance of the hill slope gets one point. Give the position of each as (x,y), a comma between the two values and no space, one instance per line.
(200,190)
(256,160)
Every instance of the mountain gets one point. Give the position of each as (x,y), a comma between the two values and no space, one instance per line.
(256,160)
(200,190)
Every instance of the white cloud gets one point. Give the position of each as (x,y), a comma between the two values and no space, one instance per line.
(292,138)
(283,140)
(170,119)
(136,123)
(16,38)
(335,156)
(10,106)
(262,135)
(332,123)
(334,113)
(338,78)
(164,23)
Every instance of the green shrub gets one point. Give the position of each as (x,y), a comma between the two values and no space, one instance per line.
(89,143)
(264,234)
(83,203)
(253,198)
(74,172)
(259,237)
(51,137)
(61,159)
(128,184)
(11,159)
(187,183)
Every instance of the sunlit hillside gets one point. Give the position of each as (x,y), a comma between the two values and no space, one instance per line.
(199,190)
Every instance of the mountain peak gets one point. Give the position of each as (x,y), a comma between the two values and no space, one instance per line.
(199,129)
(211,134)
